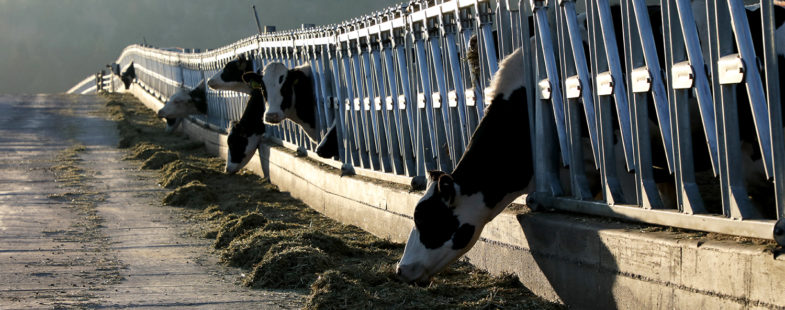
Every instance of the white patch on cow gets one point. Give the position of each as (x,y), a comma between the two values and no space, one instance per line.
(273,77)
(420,263)
(178,105)
(250,150)
(217,83)
(507,79)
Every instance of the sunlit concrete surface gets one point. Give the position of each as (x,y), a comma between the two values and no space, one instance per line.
(52,253)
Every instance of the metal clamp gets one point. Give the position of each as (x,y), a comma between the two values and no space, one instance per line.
(357,104)
(388,103)
(563,2)
(537,4)
(366,104)
(731,69)
(573,87)
(605,84)
(420,100)
(452,99)
(545,89)
(487,96)
(641,80)
(437,99)
(471,97)
(683,75)
(401,102)
(377,103)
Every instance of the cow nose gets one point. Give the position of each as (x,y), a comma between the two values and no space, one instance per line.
(272,118)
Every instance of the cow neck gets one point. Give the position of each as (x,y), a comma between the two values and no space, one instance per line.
(498,160)
(251,121)
(304,102)
(199,99)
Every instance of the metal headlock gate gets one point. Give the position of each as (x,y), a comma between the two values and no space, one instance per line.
(407,96)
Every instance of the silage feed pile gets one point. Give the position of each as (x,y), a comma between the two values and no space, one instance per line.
(283,244)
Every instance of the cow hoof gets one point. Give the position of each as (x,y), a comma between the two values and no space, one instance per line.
(779,232)
(347,169)
(419,182)
(301,152)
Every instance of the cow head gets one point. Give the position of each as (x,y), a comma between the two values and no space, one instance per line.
(178,105)
(275,79)
(446,225)
(231,76)
(172,123)
(128,76)
(242,143)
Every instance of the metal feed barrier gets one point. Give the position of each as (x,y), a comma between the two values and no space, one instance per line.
(407,96)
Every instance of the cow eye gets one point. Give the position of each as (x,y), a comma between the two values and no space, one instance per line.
(280,80)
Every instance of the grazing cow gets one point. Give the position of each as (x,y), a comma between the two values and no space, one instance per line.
(494,170)
(289,94)
(245,135)
(128,76)
(231,76)
(182,103)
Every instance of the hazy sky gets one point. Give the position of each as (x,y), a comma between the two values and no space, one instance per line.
(47,46)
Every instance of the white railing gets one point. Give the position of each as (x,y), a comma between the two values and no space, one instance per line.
(407,100)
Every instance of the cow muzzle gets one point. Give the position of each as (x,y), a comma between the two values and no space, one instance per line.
(273,118)
(411,273)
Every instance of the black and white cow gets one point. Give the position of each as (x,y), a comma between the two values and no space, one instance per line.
(128,76)
(494,170)
(231,76)
(182,103)
(246,135)
(289,94)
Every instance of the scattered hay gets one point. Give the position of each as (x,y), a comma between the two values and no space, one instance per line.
(293,267)
(178,173)
(237,227)
(114,103)
(159,159)
(144,150)
(376,286)
(251,248)
(294,246)
(193,195)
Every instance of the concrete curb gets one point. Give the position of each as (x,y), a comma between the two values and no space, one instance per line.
(581,261)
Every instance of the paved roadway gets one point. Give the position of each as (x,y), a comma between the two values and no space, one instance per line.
(114,245)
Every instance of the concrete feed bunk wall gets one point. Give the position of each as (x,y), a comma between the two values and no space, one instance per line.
(583,262)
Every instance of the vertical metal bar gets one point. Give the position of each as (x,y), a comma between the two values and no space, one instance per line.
(366,135)
(442,123)
(620,90)
(455,68)
(774,97)
(735,202)
(373,74)
(552,72)
(702,90)
(753,83)
(546,132)
(582,69)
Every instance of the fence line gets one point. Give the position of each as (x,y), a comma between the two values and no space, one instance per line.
(407,88)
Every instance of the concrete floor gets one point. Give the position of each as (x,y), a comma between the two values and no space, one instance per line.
(117,247)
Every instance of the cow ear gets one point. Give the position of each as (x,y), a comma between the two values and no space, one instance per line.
(253,80)
(446,188)
(433,175)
